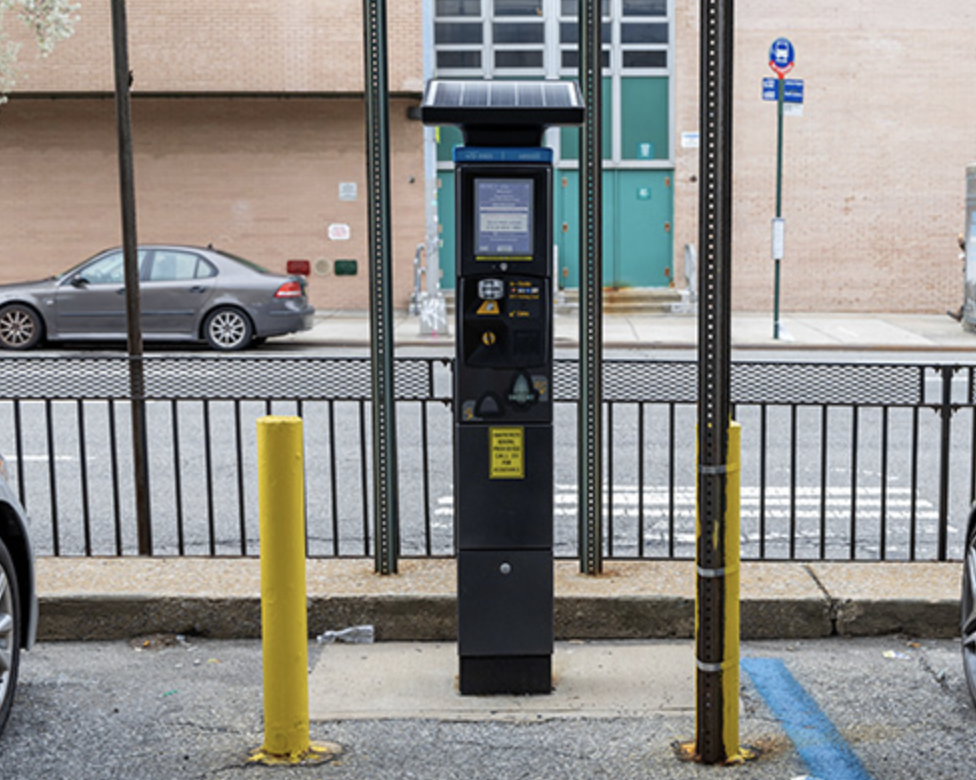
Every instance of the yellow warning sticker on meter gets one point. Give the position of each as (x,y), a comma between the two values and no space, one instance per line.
(489,307)
(506,453)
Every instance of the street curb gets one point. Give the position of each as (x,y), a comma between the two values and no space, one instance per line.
(113,599)
(415,343)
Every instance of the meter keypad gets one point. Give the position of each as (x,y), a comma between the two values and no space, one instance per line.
(504,338)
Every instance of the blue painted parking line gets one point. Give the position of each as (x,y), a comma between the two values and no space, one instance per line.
(818,742)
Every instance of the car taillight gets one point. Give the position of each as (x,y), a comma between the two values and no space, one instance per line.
(289,290)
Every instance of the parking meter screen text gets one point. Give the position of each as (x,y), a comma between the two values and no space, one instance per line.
(503,219)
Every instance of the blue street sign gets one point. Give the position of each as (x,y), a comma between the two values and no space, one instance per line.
(782,56)
(792,90)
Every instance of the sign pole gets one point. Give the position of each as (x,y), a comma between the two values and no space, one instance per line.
(780,96)
(782,58)
(386,494)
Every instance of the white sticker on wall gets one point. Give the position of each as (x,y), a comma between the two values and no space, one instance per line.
(339,232)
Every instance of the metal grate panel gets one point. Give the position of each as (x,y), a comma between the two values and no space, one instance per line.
(216,378)
(250,378)
(826,383)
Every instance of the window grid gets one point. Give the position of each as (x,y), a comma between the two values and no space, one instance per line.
(515,38)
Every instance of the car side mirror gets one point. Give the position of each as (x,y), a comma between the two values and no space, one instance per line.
(79,281)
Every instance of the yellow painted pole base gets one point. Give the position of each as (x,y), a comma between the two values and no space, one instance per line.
(317,753)
(685,751)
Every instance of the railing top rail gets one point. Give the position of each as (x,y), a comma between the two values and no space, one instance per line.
(249,377)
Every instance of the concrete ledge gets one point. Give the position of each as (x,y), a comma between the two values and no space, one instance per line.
(116,598)
(919,599)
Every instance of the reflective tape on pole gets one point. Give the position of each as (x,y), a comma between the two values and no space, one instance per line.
(284,621)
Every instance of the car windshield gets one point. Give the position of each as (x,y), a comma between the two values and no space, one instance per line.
(252,265)
(74,268)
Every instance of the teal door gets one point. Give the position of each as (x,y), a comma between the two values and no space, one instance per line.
(637,228)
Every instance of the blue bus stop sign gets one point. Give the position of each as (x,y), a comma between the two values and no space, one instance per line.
(782,56)
(792,89)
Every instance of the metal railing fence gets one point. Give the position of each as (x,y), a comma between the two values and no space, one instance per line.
(853,461)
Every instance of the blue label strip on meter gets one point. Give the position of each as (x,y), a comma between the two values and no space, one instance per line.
(502,154)
(820,745)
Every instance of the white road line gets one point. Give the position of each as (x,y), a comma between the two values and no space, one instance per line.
(807,503)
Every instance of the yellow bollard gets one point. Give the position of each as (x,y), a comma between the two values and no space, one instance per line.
(284,620)
(730,577)
(733,556)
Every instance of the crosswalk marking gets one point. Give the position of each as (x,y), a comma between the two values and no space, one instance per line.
(778,502)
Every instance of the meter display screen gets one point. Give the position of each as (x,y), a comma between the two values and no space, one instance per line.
(503,219)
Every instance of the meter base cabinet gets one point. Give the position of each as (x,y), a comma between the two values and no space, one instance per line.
(505,562)
(505,634)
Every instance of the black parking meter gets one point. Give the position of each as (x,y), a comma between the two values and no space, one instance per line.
(503,473)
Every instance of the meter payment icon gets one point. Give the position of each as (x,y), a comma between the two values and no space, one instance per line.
(491,289)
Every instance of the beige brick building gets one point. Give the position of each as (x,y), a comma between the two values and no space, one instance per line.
(248,116)
(873,185)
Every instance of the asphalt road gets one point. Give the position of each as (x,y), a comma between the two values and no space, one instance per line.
(107,710)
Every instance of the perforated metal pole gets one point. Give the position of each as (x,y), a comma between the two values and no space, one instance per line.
(590,423)
(385,484)
(137,382)
(713,741)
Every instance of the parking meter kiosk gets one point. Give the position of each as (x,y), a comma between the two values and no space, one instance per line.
(503,473)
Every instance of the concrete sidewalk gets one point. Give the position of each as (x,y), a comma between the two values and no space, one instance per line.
(750,330)
(113,598)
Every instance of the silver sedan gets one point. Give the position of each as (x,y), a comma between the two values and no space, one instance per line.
(18,597)
(186,294)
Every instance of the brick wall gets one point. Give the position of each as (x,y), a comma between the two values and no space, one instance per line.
(873,185)
(258,177)
(229,46)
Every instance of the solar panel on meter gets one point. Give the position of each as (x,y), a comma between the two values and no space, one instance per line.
(502,113)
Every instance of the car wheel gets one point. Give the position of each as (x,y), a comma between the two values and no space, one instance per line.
(228,329)
(9,633)
(20,327)
(968,621)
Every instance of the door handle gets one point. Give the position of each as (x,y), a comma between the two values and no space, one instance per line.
(120,291)
(198,288)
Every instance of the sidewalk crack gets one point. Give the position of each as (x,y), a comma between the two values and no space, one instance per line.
(833,607)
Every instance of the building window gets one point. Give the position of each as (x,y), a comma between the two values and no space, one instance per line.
(645,7)
(458,60)
(458,8)
(571,7)
(446,33)
(518,8)
(518,33)
(518,60)
(512,37)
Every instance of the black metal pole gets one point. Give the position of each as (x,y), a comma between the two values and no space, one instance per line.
(945,449)
(590,422)
(714,369)
(385,483)
(137,382)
